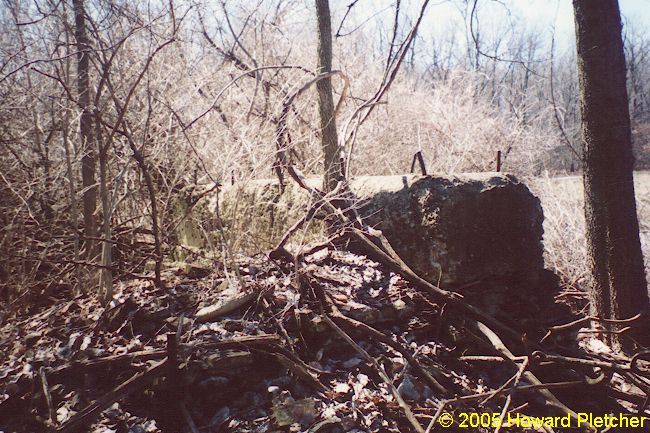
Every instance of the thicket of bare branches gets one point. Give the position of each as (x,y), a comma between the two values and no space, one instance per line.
(184,93)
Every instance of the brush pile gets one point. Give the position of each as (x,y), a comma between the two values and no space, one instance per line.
(341,344)
(314,339)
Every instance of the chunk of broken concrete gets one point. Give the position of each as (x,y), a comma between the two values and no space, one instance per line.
(456,230)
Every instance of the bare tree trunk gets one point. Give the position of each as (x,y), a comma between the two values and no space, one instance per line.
(65,132)
(88,159)
(74,212)
(106,272)
(620,289)
(155,227)
(329,139)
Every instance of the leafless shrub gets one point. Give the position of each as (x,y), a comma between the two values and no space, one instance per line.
(189,93)
(564,226)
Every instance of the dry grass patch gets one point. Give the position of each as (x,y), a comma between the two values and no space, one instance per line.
(564,226)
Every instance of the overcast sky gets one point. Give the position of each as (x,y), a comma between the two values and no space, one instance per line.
(445,17)
(546,12)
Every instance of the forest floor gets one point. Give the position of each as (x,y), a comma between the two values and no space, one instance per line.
(341,345)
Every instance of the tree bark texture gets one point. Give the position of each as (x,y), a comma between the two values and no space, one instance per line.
(88,159)
(329,139)
(620,289)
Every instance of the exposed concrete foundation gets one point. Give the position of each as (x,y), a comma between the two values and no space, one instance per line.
(454,230)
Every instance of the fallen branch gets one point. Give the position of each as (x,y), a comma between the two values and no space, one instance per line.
(135,383)
(506,406)
(551,400)
(485,395)
(225,306)
(382,373)
(383,338)
(140,380)
(48,397)
(554,329)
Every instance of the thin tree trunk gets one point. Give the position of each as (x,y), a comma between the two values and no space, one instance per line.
(155,227)
(620,289)
(329,138)
(88,159)
(65,132)
(106,272)
(74,213)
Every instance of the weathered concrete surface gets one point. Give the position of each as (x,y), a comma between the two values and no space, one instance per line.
(451,229)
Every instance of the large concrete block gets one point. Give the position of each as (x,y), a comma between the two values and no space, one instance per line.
(460,229)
